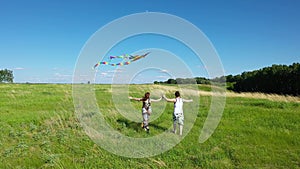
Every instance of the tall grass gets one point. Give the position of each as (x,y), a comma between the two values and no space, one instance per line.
(272,97)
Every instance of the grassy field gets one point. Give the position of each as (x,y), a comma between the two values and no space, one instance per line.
(39,129)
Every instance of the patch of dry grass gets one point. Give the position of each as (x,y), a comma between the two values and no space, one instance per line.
(272,97)
(256,95)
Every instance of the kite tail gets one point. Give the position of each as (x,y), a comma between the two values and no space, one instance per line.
(96,65)
(130,59)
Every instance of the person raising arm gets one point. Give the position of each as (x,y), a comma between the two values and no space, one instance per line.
(178,116)
(146,108)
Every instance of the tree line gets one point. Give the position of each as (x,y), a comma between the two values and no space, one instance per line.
(277,79)
(197,80)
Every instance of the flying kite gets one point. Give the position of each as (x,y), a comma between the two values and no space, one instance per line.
(128,59)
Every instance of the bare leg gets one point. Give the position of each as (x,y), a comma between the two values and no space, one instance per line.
(180,129)
(174,128)
(145,120)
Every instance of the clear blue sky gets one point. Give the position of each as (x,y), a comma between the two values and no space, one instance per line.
(40,40)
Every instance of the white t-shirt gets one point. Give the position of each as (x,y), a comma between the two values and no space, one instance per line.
(178,106)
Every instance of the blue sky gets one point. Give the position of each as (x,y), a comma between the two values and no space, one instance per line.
(41,40)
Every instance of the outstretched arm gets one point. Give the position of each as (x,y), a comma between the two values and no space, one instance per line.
(184,100)
(133,98)
(169,100)
(156,100)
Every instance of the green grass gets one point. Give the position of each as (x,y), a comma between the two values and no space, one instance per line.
(38,129)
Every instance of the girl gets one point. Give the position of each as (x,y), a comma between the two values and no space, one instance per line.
(146,109)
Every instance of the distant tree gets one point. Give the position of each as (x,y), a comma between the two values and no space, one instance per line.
(179,80)
(221,79)
(186,81)
(6,76)
(230,78)
(202,80)
(190,81)
(196,80)
(171,81)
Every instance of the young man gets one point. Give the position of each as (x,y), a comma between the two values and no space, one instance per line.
(146,109)
(178,116)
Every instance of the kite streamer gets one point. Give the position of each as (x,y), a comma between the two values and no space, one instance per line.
(129,59)
(125,56)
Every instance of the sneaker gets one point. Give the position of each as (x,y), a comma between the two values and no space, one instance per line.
(147,129)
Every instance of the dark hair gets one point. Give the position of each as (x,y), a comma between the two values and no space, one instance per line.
(147,93)
(177,94)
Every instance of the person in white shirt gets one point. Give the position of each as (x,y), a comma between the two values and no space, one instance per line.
(146,109)
(178,116)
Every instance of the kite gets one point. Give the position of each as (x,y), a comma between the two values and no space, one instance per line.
(128,59)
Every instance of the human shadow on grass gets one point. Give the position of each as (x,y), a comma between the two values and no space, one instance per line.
(137,126)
